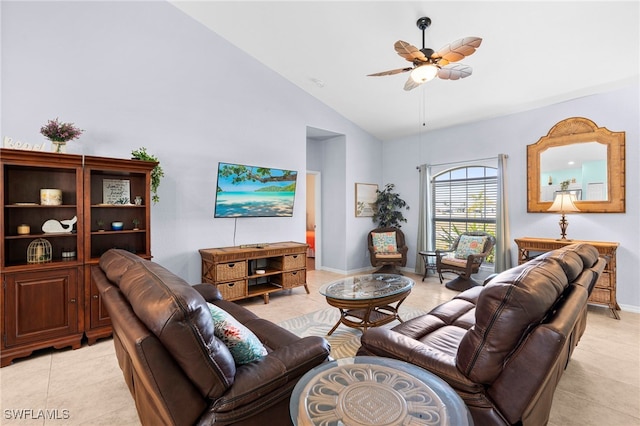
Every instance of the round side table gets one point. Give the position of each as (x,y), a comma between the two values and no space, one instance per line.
(429,258)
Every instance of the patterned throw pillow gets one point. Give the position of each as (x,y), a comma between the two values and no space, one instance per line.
(384,242)
(244,346)
(469,245)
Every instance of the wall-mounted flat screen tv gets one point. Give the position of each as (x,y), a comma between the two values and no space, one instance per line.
(250,191)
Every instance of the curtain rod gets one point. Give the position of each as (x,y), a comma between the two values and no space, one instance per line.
(462,162)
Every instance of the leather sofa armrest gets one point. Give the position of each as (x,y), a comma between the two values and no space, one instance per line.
(209,291)
(277,372)
(391,344)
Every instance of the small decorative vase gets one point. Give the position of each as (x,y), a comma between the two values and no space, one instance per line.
(57,146)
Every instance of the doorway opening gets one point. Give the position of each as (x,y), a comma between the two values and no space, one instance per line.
(313,234)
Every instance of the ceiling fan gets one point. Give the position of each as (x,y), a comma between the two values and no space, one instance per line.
(427,64)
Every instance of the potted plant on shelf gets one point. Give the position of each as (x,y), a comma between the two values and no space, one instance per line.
(100,225)
(388,208)
(156,174)
(60,133)
(135,222)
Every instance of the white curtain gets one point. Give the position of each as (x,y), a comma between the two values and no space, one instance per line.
(503,238)
(424,216)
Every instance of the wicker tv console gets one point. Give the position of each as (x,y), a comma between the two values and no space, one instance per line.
(252,270)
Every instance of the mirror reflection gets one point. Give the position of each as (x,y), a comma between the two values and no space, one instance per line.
(580,168)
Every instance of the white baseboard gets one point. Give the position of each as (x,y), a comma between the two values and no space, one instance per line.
(630,308)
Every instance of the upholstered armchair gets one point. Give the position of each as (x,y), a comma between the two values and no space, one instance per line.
(387,250)
(464,258)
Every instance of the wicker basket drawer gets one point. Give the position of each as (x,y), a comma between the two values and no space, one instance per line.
(291,279)
(294,261)
(604,281)
(288,262)
(234,290)
(601,295)
(231,271)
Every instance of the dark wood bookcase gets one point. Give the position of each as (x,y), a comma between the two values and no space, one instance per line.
(54,303)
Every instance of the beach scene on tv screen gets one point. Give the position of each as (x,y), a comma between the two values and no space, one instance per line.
(251,191)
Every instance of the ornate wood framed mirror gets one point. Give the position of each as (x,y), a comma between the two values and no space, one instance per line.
(577,156)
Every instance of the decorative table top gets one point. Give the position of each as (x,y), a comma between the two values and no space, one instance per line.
(375,391)
(365,287)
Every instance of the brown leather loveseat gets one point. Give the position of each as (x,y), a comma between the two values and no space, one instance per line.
(178,371)
(503,347)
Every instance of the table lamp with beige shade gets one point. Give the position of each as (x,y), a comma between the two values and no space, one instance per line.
(564,203)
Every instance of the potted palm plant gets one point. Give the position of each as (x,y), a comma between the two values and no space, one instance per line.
(388,208)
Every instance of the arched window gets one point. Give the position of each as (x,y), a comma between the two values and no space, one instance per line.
(464,199)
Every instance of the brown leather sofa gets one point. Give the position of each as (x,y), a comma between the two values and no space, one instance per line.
(503,347)
(178,372)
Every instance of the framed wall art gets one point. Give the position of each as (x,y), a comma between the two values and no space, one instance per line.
(116,191)
(365,199)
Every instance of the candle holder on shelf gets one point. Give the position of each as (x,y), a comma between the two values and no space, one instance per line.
(39,251)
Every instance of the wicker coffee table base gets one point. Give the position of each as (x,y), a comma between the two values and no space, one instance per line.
(369,312)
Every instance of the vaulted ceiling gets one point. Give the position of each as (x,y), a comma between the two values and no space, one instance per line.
(533,54)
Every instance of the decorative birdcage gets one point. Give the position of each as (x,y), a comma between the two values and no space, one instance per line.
(39,251)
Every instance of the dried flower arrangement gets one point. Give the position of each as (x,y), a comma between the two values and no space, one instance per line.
(60,133)
(56,131)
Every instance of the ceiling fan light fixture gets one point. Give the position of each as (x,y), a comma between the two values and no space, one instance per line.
(424,73)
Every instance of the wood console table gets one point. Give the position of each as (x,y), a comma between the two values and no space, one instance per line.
(604,292)
(255,270)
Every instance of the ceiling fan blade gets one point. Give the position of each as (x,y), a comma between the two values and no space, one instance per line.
(457,50)
(390,72)
(454,72)
(409,51)
(411,84)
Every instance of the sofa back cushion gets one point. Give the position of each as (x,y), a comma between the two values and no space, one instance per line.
(179,316)
(530,376)
(574,258)
(164,394)
(510,305)
(115,262)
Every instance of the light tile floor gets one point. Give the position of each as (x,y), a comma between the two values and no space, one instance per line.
(601,385)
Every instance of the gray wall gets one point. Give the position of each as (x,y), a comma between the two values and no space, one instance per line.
(617,110)
(138,74)
(135,74)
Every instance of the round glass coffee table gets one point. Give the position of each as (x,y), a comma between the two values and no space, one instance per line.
(375,391)
(367,300)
